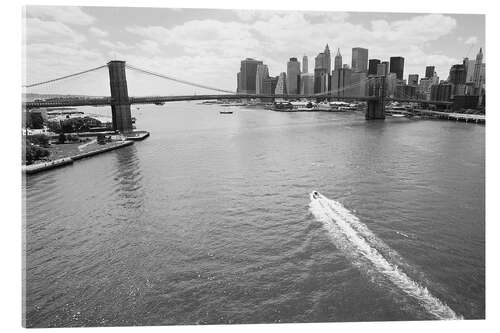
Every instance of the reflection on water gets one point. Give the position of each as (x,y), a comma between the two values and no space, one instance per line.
(207,221)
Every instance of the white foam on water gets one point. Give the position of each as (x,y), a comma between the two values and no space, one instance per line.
(359,244)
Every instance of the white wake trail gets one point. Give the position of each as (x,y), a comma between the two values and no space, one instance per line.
(355,240)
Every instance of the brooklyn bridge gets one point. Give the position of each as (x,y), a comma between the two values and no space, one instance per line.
(120,101)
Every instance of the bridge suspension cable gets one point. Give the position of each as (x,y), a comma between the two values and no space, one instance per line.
(64,77)
(144,71)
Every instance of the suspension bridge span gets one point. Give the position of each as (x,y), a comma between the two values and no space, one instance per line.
(120,101)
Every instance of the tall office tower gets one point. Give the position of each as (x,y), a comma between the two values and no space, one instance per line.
(270,86)
(238,82)
(359,61)
(358,84)
(248,74)
(429,71)
(458,76)
(341,81)
(478,68)
(305,64)
(391,82)
(338,61)
(471,65)
(281,85)
(322,65)
(372,66)
(307,84)
(397,65)
(413,80)
(261,74)
(292,76)
(383,68)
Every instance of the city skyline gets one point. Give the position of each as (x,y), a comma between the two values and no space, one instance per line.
(197,45)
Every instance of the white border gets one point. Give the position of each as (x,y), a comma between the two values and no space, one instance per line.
(10,311)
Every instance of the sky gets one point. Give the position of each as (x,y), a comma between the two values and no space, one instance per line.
(206,45)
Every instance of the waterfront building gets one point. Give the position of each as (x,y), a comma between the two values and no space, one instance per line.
(269,85)
(372,66)
(477,78)
(390,84)
(293,76)
(261,75)
(248,74)
(413,80)
(322,66)
(397,66)
(429,71)
(238,82)
(281,85)
(307,84)
(341,81)
(457,78)
(359,61)
(305,64)
(441,92)
(338,60)
(471,64)
(383,68)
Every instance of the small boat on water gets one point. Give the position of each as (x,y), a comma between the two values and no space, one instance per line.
(226,112)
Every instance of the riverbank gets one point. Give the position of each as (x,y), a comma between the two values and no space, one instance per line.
(65,154)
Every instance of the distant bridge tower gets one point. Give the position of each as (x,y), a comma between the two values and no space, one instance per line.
(375,109)
(120,104)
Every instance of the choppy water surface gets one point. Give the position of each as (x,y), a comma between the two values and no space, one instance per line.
(209,220)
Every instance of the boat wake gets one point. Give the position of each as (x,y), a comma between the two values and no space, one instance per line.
(361,246)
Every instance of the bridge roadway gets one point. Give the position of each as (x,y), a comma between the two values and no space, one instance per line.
(102,101)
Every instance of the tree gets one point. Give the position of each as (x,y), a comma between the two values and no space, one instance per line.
(62,138)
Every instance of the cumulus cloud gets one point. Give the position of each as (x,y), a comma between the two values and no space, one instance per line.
(38,31)
(65,14)
(98,32)
(471,40)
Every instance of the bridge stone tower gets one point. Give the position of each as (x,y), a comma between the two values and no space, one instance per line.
(375,109)
(120,104)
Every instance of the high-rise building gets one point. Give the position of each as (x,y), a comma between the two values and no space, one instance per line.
(372,66)
(305,64)
(248,74)
(390,84)
(441,92)
(358,84)
(471,64)
(397,65)
(383,68)
(338,60)
(281,85)
(341,81)
(293,76)
(413,80)
(405,91)
(238,82)
(322,66)
(478,68)
(270,85)
(359,61)
(307,84)
(261,74)
(429,71)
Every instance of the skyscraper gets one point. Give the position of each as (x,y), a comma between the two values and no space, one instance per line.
(429,71)
(359,61)
(261,74)
(281,85)
(305,64)
(248,74)
(338,61)
(397,65)
(307,84)
(478,68)
(383,68)
(372,66)
(292,76)
(341,81)
(413,80)
(322,67)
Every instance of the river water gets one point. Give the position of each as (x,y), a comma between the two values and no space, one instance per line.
(209,220)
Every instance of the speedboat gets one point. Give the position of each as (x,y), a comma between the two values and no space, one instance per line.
(315,195)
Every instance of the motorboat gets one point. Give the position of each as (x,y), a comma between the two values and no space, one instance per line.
(315,195)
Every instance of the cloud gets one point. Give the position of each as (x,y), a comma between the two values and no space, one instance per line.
(38,31)
(98,32)
(65,14)
(471,40)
